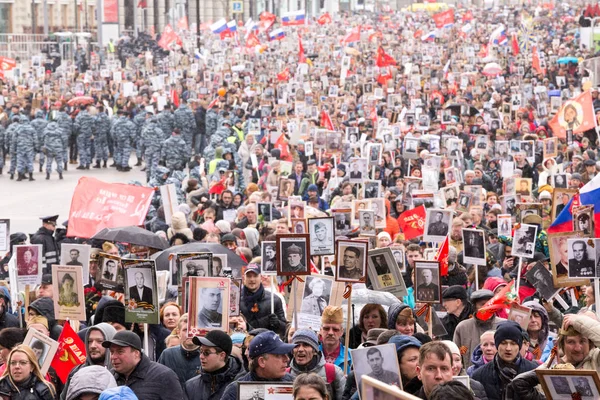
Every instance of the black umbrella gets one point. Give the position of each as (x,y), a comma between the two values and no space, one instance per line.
(461,109)
(133,235)
(233,260)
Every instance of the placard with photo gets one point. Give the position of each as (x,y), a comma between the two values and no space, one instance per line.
(559,181)
(29,264)
(560,200)
(384,272)
(366,222)
(76,254)
(583,219)
(541,279)
(379,362)
(68,296)
(371,189)
(265,211)
(410,148)
(208,306)
(375,389)
(520,314)
(452,175)
(322,236)
(141,296)
(235,294)
(437,225)
(43,347)
(509,204)
(265,391)
(524,241)
(504,223)
(110,273)
(343,221)
(550,147)
(193,264)
(351,260)
(268,258)
(285,189)
(427,284)
(4,235)
(358,170)
(298,225)
(293,254)
(523,186)
(522,210)
(564,384)
(559,258)
(474,246)
(582,258)
(220,266)
(331,290)
(374,151)
(464,201)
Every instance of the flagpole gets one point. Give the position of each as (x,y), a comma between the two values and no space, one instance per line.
(146,340)
(519,274)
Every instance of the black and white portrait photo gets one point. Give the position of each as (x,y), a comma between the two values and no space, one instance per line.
(378,207)
(583,219)
(141,291)
(342,222)
(111,275)
(322,236)
(559,181)
(76,254)
(293,255)
(265,211)
(366,220)
(524,241)
(384,272)
(582,258)
(398,254)
(504,223)
(317,292)
(377,362)
(372,189)
(411,145)
(68,295)
(374,151)
(208,304)
(427,275)
(44,348)
(474,250)
(358,168)
(297,209)
(451,175)
(541,279)
(351,259)
(195,267)
(437,224)
(464,201)
(219,266)
(269,258)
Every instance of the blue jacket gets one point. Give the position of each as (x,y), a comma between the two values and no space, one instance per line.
(339,361)
(231,392)
(118,393)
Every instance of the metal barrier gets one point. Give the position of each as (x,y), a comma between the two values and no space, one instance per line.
(25,50)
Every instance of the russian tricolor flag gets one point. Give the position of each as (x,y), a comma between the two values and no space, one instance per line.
(232,26)
(498,36)
(277,34)
(219,26)
(429,36)
(588,195)
(293,18)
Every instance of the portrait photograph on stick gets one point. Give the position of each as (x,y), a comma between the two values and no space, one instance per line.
(44,348)
(351,256)
(377,362)
(384,272)
(110,273)
(474,251)
(427,285)
(69,300)
(322,236)
(193,264)
(524,241)
(582,258)
(437,225)
(519,314)
(293,254)
(76,254)
(559,259)
(208,306)
(29,264)
(141,296)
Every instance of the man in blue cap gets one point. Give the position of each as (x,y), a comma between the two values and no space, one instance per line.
(45,237)
(269,358)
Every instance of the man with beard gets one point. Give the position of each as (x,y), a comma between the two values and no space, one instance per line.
(226,209)
(95,353)
(468,332)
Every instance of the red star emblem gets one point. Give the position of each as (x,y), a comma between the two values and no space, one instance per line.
(271,390)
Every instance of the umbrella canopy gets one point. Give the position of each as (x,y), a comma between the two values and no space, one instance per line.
(462,109)
(81,100)
(133,235)
(362,296)
(233,260)
(492,69)
(566,60)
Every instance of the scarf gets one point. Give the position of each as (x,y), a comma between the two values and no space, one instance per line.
(251,299)
(507,371)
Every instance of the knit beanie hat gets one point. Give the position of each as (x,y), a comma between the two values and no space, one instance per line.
(508,330)
(224,226)
(452,346)
(114,312)
(306,336)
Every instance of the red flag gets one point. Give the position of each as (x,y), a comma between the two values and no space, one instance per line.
(597,10)
(375,35)
(6,64)
(142,4)
(443,19)
(284,75)
(70,353)
(535,62)
(213,103)
(412,222)
(168,36)
(283,147)
(384,59)
(326,121)
(301,56)
(267,16)
(515,45)
(576,114)
(442,257)
(175,97)
(384,77)
(467,17)
(503,299)
(324,19)
(182,24)
(252,40)
(352,36)
(418,33)
(97,205)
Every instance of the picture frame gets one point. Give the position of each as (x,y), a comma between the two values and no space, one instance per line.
(561,384)
(343,221)
(366,220)
(110,273)
(358,170)
(141,296)
(378,360)
(293,254)
(437,225)
(29,267)
(268,258)
(560,199)
(384,272)
(427,282)
(464,201)
(298,225)
(371,189)
(193,265)
(519,314)
(541,279)
(235,294)
(550,147)
(504,222)
(285,189)
(522,210)
(77,254)
(208,306)
(583,219)
(43,347)
(265,210)
(475,246)
(559,181)
(559,259)
(68,296)
(220,266)
(322,234)
(582,258)
(265,390)
(354,253)
(524,241)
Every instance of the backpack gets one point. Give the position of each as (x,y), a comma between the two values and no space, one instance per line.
(329,372)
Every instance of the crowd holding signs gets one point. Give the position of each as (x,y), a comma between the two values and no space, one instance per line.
(387,205)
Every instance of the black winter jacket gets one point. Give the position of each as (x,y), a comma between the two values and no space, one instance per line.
(260,317)
(50,250)
(489,377)
(151,381)
(32,389)
(208,386)
(186,364)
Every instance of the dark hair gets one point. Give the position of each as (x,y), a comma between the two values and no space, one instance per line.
(312,381)
(11,337)
(353,249)
(368,308)
(413,247)
(179,236)
(373,350)
(452,390)
(439,349)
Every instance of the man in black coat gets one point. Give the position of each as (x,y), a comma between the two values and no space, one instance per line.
(45,237)
(255,303)
(456,303)
(149,380)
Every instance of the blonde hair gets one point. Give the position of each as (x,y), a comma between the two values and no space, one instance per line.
(21,348)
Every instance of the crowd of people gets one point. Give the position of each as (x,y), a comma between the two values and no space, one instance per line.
(363,117)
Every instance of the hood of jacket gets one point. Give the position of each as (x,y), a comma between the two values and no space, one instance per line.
(118,393)
(45,307)
(251,236)
(178,221)
(296,370)
(393,312)
(91,379)
(108,332)
(543,335)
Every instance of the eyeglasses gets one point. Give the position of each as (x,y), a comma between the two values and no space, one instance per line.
(22,363)
(207,353)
